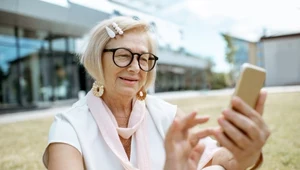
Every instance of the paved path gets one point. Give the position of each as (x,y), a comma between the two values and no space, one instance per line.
(37,114)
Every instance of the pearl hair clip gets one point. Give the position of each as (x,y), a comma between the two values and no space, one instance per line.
(111,33)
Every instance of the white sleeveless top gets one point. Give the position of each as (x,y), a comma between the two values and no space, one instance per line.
(78,128)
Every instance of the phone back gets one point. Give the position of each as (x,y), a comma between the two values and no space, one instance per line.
(250,83)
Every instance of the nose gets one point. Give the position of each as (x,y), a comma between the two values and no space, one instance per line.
(134,66)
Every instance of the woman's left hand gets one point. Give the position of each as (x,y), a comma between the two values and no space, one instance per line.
(243,132)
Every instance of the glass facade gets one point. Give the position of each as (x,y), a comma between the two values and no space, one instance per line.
(242,54)
(260,59)
(36,67)
(176,78)
(10,86)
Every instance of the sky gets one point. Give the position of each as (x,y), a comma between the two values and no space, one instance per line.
(204,20)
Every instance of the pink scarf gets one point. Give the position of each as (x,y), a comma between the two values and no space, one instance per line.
(110,131)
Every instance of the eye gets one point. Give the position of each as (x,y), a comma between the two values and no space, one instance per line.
(123,56)
(122,53)
(144,59)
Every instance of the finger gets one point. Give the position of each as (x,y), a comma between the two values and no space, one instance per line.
(236,136)
(243,123)
(195,156)
(224,141)
(261,102)
(196,136)
(196,121)
(185,120)
(191,120)
(241,107)
(170,133)
(256,129)
(182,125)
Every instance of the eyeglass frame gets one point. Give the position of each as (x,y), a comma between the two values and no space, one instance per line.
(113,50)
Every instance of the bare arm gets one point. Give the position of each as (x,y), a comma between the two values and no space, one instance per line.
(63,157)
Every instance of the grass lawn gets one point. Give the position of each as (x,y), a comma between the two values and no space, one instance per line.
(22,143)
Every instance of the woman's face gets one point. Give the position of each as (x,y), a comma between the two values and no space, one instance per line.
(125,81)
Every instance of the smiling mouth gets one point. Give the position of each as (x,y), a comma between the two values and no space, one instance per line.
(128,79)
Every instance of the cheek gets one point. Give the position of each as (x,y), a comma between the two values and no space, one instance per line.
(144,75)
(109,69)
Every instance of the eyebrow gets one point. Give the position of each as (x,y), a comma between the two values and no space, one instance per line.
(134,51)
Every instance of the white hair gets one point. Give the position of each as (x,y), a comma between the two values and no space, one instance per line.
(92,55)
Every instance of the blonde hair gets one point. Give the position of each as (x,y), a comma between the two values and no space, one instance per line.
(92,55)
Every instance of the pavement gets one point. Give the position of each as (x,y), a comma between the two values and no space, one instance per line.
(50,112)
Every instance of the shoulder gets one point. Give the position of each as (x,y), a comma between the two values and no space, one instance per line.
(78,110)
(158,102)
(156,105)
(69,124)
(77,118)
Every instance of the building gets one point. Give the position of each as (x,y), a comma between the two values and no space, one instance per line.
(39,40)
(245,52)
(278,54)
(282,59)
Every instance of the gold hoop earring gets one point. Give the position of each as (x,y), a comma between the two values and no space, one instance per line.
(97,89)
(141,95)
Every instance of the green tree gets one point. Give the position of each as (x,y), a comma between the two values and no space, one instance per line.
(218,81)
(230,49)
(230,53)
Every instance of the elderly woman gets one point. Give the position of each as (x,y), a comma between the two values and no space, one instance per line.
(118,126)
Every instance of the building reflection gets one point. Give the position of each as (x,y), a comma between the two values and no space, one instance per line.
(36,67)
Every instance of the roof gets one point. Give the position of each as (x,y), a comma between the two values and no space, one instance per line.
(237,38)
(281,36)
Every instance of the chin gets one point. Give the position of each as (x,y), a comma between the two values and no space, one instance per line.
(128,92)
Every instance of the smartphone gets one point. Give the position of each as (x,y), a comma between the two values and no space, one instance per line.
(249,83)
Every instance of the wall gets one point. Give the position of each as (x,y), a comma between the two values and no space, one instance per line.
(282,61)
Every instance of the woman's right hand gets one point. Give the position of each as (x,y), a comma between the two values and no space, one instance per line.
(183,150)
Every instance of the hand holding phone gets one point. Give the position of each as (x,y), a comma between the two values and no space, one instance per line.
(244,134)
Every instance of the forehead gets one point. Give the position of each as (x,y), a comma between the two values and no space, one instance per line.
(135,40)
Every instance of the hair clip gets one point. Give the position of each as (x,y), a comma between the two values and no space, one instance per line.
(111,33)
(117,28)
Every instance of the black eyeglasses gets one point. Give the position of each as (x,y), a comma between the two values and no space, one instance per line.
(123,57)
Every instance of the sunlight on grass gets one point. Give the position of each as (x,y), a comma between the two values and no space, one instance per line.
(22,144)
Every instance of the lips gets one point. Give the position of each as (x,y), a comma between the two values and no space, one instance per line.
(128,79)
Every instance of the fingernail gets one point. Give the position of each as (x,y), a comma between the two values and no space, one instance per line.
(222,117)
(194,113)
(204,116)
(221,120)
(226,112)
(236,98)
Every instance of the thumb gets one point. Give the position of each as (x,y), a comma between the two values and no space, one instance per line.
(261,102)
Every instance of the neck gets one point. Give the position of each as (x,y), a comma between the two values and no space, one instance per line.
(120,106)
